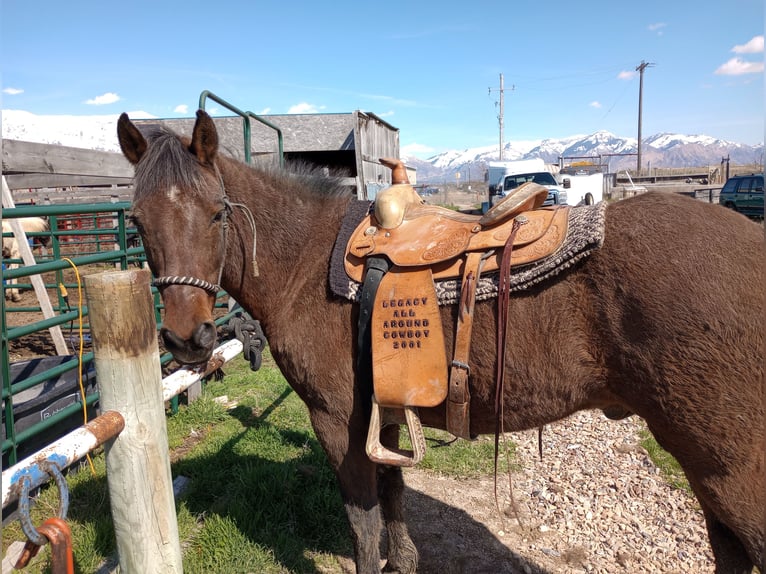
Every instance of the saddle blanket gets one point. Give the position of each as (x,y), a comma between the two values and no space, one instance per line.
(585,233)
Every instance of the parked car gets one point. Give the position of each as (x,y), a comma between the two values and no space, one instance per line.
(744,193)
(428,190)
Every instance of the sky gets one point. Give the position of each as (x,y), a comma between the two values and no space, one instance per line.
(430,69)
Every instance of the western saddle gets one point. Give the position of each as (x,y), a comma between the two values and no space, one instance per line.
(397,253)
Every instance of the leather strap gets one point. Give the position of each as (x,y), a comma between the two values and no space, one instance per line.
(459,397)
(375,269)
(503,293)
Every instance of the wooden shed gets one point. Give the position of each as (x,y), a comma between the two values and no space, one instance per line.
(348,144)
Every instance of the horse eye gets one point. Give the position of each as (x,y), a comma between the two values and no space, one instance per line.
(133,221)
(218,217)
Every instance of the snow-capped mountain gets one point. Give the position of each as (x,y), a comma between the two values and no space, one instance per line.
(97,132)
(660,150)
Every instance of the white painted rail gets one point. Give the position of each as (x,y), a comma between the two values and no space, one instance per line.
(74,446)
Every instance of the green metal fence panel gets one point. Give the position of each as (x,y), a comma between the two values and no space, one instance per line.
(246,128)
(83,244)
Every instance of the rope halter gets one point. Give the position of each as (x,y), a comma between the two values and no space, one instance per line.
(211,288)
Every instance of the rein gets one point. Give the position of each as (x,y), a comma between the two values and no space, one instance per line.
(213,288)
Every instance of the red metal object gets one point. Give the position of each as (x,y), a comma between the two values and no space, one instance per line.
(59,536)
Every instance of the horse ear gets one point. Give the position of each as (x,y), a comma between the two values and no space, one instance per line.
(204,142)
(132,143)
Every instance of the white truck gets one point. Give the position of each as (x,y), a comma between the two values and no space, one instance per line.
(573,185)
(505,176)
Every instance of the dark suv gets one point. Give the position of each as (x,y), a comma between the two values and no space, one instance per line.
(744,193)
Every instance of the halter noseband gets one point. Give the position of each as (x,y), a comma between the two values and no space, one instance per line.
(183,280)
(214,288)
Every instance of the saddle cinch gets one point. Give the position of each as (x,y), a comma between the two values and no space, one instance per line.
(398,252)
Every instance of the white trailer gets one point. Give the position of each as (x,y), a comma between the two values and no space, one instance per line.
(583,189)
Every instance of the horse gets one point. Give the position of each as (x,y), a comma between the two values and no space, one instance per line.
(662,321)
(11,246)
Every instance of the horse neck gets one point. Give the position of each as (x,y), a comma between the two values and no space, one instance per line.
(295,231)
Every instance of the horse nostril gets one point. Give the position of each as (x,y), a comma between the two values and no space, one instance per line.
(205,335)
(170,339)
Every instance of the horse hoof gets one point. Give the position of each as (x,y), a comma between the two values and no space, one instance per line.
(616,412)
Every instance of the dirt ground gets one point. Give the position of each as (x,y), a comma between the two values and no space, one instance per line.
(41,344)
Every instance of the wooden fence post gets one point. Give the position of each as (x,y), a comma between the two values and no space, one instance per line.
(129,378)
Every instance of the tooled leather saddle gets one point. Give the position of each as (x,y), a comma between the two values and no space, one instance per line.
(397,252)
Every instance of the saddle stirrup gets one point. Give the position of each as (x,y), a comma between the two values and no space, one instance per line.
(384,416)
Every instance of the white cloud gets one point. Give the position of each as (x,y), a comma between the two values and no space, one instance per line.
(264,112)
(754,46)
(304,108)
(13,91)
(626,75)
(657,27)
(387,114)
(103,99)
(595,104)
(181,109)
(737,67)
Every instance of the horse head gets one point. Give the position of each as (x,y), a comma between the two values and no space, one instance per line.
(180,211)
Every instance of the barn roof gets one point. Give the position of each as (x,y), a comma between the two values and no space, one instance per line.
(300,132)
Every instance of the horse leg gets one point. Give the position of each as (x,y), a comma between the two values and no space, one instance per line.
(13,293)
(365,534)
(357,479)
(402,554)
(729,553)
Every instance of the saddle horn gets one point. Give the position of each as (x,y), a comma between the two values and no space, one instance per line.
(398,171)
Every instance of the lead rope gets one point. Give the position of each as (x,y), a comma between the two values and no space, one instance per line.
(251,221)
(248,215)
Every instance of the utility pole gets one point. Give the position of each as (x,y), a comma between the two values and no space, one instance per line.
(640,69)
(502,112)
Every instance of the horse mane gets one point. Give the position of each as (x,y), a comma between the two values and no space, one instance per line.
(313,178)
(167,162)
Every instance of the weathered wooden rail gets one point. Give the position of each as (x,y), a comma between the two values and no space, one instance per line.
(42,173)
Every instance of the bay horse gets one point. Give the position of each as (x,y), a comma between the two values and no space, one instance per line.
(11,246)
(663,321)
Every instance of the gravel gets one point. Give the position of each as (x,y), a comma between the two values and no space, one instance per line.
(595,503)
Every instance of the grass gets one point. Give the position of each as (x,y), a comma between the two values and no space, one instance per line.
(261,495)
(669,467)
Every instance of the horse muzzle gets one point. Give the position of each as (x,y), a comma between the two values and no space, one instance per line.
(195,350)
